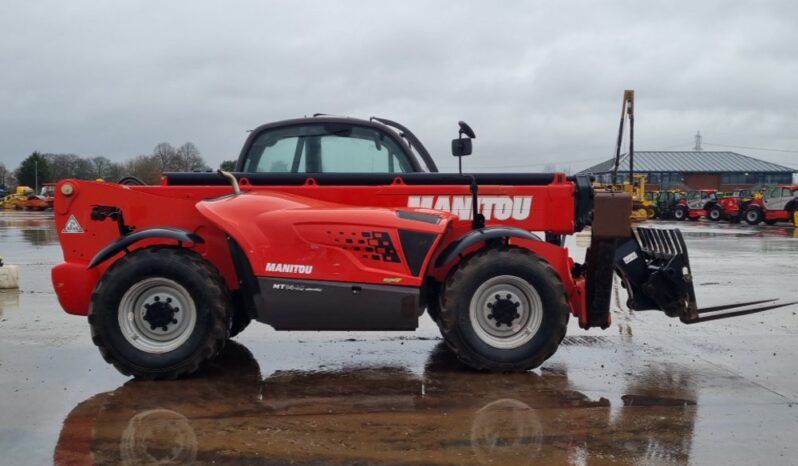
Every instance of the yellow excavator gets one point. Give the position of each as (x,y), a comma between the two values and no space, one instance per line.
(16,200)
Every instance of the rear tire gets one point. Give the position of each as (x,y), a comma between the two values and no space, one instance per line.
(241,320)
(160,313)
(524,293)
(753,216)
(680,214)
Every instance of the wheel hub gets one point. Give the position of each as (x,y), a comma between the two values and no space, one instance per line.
(160,314)
(504,310)
(157,315)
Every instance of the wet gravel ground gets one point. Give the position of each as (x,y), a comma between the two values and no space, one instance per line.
(646,391)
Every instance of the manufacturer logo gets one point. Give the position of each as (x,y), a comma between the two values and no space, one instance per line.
(72,226)
(289,268)
(289,287)
(492,207)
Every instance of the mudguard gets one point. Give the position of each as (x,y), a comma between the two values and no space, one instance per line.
(124,242)
(455,248)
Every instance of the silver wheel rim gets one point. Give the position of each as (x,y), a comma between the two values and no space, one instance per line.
(500,295)
(714,214)
(751,216)
(679,214)
(146,305)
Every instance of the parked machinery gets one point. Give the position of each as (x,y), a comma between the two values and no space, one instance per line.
(665,203)
(695,204)
(730,206)
(18,199)
(302,237)
(778,203)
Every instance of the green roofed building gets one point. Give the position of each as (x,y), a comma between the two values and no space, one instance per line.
(724,171)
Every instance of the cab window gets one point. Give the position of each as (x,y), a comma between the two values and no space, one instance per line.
(326,148)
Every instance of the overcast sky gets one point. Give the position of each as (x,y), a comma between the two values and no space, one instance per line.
(540,82)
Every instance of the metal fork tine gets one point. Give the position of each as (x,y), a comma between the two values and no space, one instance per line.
(645,236)
(672,241)
(732,306)
(740,313)
(663,234)
(663,239)
(641,238)
(655,240)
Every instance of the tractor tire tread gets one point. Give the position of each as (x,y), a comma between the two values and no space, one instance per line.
(448,317)
(219,306)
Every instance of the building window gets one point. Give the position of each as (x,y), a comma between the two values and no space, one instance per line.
(670,180)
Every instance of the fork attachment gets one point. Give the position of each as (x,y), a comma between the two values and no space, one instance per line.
(655,269)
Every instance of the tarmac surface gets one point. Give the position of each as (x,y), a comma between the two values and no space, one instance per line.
(649,390)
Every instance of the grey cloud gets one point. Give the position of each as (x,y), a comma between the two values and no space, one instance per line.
(539,81)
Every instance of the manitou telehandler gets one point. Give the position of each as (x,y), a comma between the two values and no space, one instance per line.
(345,224)
(730,206)
(695,204)
(777,204)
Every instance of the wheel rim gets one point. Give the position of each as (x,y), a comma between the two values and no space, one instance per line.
(506,312)
(714,214)
(751,216)
(157,315)
(679,214)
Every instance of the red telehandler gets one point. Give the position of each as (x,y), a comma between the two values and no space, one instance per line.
(730,206)
(778,203)
(345,224)
(695,204)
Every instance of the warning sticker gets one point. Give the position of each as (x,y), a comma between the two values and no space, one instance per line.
(630,257)
(72,226)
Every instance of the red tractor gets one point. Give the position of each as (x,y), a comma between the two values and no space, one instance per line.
(778,203)
(48,194)
(344,224)
(730,206)
(695,204)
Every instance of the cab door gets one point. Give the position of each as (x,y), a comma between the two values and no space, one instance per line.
(777,198)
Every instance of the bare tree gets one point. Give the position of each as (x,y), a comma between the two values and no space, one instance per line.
(100,167)
(114,172)
(4,176)
(189,159)
(166,156)
(145,167)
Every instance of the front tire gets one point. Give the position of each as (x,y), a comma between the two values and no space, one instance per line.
(504,310)
(752,216)
(160,313)
(715,213)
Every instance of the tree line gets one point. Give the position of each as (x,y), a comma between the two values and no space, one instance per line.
(40,168)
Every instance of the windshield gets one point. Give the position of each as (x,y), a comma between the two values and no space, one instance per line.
(325,148)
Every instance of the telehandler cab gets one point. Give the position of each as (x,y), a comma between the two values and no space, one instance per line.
(345,224)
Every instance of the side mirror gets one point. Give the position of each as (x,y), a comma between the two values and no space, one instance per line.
(461,147)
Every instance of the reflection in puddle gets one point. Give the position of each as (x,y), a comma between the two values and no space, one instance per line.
(378,415)
(36,228)
(9,299)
